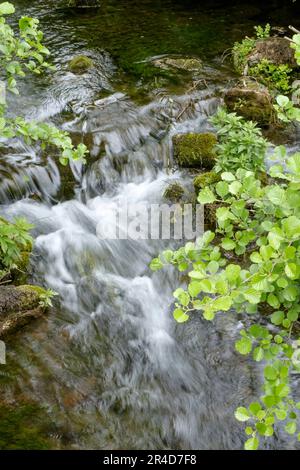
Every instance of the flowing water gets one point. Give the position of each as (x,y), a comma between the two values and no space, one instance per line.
(108,366)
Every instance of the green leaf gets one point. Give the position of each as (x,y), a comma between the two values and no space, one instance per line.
(194,288)
(291,270)
(282,101)
(235,187)
(281,414)
(251,444)
(291,427)
(227,176)
(222,188)
(206,196)
(258,354)
(242,414)
(291,226)
(256,258)
(276,195)
(254,408)
(208,313)
(180,316)
(233,272)
(6,8)
(228,244)
(156,264)
(223,303)
(252,296)
(213,267)
(243,346)
(270,373)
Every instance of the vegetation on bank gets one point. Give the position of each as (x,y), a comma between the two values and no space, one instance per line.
(250,263)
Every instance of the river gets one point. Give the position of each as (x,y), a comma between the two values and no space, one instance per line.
(108,368)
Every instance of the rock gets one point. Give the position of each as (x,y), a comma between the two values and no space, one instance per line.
(252,101)
(205,179)
(174,192)
(84,3)
(80,64)
(275,49)
(189,64)
(195,150)
(18,306)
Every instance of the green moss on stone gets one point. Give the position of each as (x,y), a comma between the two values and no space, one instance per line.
(80,64)
(205,179)
(188,64)
(195,150)
(174,192)
(18,306)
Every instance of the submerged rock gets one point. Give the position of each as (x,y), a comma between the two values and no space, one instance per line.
(18,306)
(274,49)
(80,64)
(195,150)
(84,3)
(205,179)
(252,101)
(174,192)
(189,64)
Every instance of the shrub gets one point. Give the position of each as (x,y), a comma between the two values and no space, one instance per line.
(273,76)
(241,144)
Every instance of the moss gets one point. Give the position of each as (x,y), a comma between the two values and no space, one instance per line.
(174,192)
(80,64)
(205,179)
(18,306)
(23,427)
(195,150)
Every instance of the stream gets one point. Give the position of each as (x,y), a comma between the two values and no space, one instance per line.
(108,368)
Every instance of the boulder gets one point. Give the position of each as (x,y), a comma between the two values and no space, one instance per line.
(274,49)
(195,150)
(18,306)
(205,179)
(174,192)
(188,64)
(252,101)
(80,64)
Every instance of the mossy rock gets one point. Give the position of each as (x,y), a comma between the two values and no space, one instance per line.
(274,49)
(174,192)
(18,306)
(251,101)
(195,150)
(188,64)
(80,64)
(205,179)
